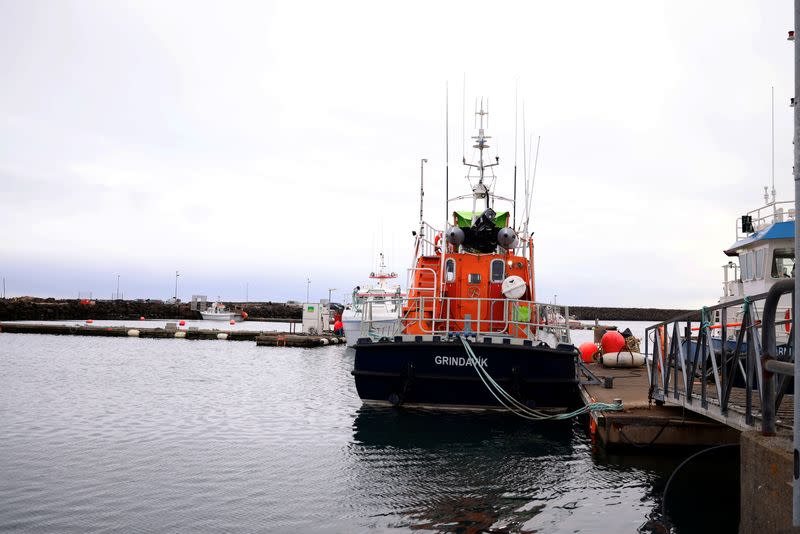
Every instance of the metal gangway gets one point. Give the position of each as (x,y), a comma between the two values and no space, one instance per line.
(726,363)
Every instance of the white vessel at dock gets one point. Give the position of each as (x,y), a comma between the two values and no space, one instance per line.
(378,306)
(218,312)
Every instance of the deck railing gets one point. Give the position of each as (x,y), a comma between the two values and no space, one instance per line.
(446,315)
(765,215)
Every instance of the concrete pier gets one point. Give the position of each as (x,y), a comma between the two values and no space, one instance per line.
(644,424)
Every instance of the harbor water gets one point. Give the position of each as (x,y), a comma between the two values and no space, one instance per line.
(105,434)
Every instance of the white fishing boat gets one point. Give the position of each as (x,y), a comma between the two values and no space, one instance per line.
(218,312)
(378,306)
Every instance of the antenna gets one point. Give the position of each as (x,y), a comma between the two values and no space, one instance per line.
(516,118)
(446,152)
(533,179)
(463,117)
(772,93)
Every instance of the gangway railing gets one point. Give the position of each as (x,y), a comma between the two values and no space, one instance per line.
(726,370)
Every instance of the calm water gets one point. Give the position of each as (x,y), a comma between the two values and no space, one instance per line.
(107,434)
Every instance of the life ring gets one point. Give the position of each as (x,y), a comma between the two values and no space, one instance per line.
(788,325)
(436,248)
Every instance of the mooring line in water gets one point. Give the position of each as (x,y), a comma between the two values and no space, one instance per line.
(516,407)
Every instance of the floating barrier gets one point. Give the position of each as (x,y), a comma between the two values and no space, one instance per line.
(262,338)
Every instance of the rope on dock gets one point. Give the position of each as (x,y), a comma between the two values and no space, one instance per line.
(516,407)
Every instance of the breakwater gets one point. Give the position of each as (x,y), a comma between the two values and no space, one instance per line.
(39,309)
(590,313)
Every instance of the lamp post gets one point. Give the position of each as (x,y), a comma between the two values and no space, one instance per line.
(116,295)
(330,290)
(308,287)
(177,274)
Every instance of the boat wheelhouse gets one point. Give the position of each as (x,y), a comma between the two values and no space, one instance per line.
(473,280)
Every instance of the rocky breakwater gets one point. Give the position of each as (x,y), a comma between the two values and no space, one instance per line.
(49,309)
(590,313)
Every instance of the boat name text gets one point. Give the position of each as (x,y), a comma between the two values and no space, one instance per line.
(458,360)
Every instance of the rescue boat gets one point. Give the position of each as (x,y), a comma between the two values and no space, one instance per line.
(471,282)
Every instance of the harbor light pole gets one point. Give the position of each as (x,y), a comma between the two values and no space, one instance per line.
(308,287)
(177,274)
(330,290)
(116,296)
(796,172)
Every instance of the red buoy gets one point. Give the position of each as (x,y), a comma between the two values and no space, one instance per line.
(612,341)
(182,323)
(588,351)
(244,315)
(233,322)
(141,318)
(89,321)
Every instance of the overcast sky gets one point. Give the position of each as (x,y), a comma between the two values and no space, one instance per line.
(261,143)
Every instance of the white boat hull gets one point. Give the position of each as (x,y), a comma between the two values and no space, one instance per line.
(218,316)
(352,329)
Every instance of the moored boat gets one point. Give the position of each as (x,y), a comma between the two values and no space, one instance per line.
(374,309)
(471,303)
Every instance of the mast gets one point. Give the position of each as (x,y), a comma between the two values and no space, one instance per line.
(481,190)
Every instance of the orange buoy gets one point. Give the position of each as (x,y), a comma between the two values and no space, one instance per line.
(182,323)
(244,315)
(141,318)
(612,341)
(233,322)
(89,321)
(588,350)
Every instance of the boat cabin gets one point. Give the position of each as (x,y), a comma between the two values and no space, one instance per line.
(765,249)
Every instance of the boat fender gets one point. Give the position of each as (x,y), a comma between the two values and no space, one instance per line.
(436,248)
(180,334)
(133,333)
(323,341)
(222,335)
(622,359)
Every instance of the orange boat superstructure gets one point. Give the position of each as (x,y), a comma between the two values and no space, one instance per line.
(451,289)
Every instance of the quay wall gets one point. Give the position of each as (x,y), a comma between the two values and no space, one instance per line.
(37,309)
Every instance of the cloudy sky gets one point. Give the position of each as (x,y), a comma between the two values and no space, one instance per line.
(257,144)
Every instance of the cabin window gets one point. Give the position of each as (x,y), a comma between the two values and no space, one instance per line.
(747,266)
(475,278)
(759,254)
(498,270)
(783,263)
(450,270)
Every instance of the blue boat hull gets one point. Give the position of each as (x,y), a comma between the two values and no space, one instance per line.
(440,374)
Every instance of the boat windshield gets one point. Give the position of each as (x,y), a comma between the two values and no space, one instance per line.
(783,263)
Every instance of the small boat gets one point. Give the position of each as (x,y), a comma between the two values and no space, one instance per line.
(470,321)
(218,312)
(375,311)
(762,255)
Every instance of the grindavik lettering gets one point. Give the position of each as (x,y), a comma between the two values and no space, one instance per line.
(458,360)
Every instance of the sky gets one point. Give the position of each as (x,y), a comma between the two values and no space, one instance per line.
(252,146)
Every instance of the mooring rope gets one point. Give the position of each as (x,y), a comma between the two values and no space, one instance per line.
(516,407)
